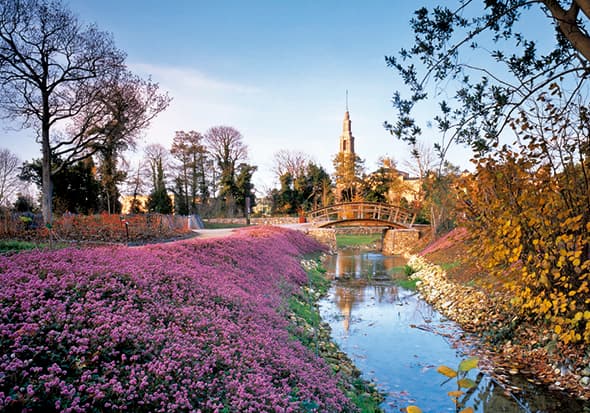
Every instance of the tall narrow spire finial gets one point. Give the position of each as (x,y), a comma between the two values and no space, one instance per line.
(347,100)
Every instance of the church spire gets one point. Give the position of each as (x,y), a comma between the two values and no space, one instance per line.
(346,139)
(346,100)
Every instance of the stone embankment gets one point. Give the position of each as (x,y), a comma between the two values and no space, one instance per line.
(501,355)
(466,305)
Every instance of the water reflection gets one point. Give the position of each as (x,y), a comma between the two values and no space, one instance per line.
(368,265)
(398,340)
(359,270)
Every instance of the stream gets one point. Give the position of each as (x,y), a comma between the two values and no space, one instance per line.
(398,341)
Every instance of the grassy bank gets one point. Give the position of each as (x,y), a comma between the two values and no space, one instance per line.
(10,246)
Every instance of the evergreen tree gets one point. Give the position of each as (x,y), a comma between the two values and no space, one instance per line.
(310,189)
(243,187)
(159,201)
(75,187)
(181,206)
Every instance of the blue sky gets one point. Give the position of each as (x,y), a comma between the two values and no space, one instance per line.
(275,70)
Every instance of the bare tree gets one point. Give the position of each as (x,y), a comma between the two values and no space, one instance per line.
(423,160)
(226,146)
(125,106)
(9,176)
(191,156)
(51,67)
(157,158)
(136,187)
(292,162)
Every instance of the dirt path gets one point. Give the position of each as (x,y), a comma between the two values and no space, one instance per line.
(224,232)
(214,233)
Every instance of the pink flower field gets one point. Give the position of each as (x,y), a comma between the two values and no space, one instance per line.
(191,326)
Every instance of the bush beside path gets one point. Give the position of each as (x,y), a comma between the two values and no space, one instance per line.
(195,326)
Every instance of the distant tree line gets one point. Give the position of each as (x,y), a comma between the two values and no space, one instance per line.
(205,174)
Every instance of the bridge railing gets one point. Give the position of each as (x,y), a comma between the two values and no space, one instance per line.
(362,211)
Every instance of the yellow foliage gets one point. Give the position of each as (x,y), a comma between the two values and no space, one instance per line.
(468,364)
(466,383)
(447,371)
(532,227)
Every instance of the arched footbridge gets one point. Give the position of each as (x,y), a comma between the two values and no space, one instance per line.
(363,214)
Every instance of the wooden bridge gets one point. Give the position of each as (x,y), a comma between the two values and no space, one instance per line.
(361,213)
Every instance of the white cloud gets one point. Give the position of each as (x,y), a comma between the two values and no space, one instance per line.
(188,80)
(199,101)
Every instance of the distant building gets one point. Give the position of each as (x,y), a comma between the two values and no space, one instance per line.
(345,164)
(347,180)
(141,200)
(127,201)
(346,139)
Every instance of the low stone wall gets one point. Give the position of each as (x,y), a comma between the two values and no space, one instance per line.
(326,236)
(255,221)
(359,230)
(400,241)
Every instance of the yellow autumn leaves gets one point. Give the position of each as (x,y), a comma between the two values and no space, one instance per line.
(463,382)
(532,226)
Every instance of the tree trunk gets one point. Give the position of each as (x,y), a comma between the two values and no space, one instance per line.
(47,185)
(569,24)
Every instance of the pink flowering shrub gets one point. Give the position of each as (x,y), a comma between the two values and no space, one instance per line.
(191,326)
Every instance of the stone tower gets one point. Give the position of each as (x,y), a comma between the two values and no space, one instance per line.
(345,163)
(346,139)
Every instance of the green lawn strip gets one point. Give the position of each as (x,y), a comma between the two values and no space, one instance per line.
(345,240)
(308,327)
(15,245)
(219,225)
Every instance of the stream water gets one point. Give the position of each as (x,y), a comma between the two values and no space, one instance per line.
(398,341)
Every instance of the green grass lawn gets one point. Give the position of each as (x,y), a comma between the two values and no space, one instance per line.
(215,225)
(14,245)
(344,240)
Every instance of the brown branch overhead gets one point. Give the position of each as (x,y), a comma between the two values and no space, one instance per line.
(567,21)
(584,6)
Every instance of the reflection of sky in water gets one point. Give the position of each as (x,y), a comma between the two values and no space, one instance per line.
(371,322)
(353,265)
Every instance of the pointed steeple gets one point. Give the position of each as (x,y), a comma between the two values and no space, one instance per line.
(346,139)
